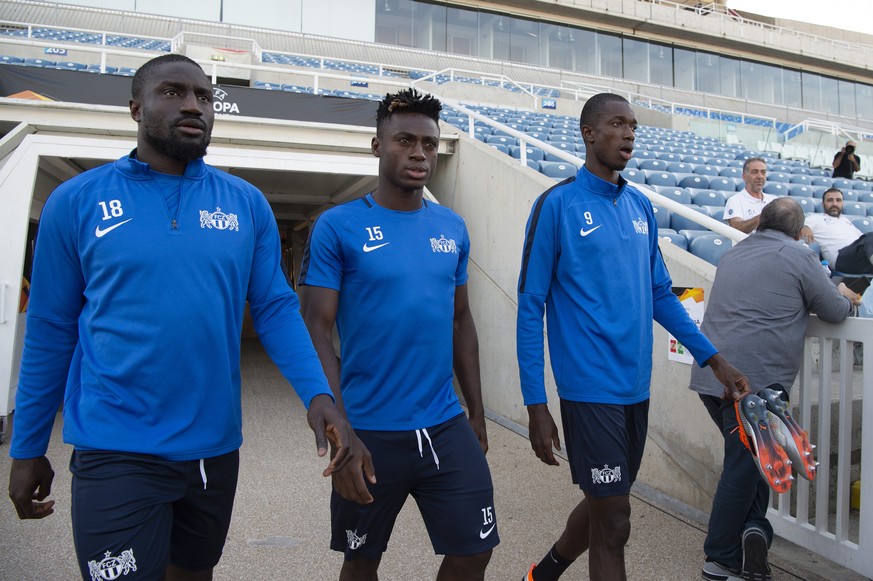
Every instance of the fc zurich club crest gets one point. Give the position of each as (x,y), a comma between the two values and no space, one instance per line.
(443,245)
(606,475)
(111,568)
(218,220)
(355,542)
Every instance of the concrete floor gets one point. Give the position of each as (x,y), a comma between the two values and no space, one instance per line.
(280,526)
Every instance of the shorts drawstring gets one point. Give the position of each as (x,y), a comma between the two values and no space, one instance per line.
(432,451)
(203,472)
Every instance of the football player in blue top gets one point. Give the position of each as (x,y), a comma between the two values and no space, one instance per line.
(142,271)
(390,270)
(591,264)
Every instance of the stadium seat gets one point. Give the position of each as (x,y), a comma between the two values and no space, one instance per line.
(800,191)
(674,238)
(11,60)
(866,197)
(842,183)
(777,188)
(653,164)
(731,172)
(632,163)
(634,175)
(709,198)
(71,66)
(34,62)
(502,139)
(801,179)
(662,217)
(705,170)
(676,194)
(808,204)
(854,209)
(642,154)
(557,170)
(500,147)
(865,224)
(710,248)
(862,185)
(694,159)
(723,184)
(690,234)
(659,178)
(778,176)
(532,153)
(680,223)
(851,196)
(822,181)
(695,181)
(680,167)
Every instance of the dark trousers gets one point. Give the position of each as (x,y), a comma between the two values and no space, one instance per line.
(855,258)
(742,496)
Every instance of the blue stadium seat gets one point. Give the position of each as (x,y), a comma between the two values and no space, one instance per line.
(534,165)
(500,147)
(778,176)
(634,175)
(710,248)
(691,234)
(731,172)
(533,153)
(777,188)
(800,191)
(705,170)
(866,197)
(674,238)
(632,163)
(668,156)
(843,183)
(695,159)
(723,184)
(680,223)
(557,170)
(659,178)
(819,207)
(818,191)
(865,225)
(862,185)
(851,196)
(11,60)
(822,181)
(654,164)
(644,154)
(695,181)
(676,194)
(662,217)
(70,65)
(502,139)
(680,167)
(709,198)
(854,209)
(800,179)
(538,135)
(808,204)
(34,62)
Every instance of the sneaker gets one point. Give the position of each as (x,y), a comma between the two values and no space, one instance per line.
(755,564)
(758,437)
(529,576)
(789,434)
(713,571)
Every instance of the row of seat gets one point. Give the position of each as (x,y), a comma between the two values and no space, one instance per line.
(61,35)
(65,65)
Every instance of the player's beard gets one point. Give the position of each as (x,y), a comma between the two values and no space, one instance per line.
(173,146)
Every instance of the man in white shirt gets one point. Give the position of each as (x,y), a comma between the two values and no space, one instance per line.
(845,247)
(743,209)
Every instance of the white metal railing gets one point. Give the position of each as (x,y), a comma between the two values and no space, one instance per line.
(502,81)
(657,199)
(817,515)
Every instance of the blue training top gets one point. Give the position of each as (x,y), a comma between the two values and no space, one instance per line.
(144,308)
(396,274)
(591,262)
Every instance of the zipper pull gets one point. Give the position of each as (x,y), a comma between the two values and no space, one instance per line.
(614,201)
(173,225)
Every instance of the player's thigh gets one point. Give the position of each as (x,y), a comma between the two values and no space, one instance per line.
(201,518)
(456,497)
(363,530)
(122,514)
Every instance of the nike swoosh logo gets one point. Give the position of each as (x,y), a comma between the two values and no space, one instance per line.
(377,247)
(101,233)
(483,534)
(583,232)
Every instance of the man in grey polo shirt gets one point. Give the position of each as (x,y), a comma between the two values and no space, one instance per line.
(757,313)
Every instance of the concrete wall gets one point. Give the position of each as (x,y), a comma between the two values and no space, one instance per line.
(494,195)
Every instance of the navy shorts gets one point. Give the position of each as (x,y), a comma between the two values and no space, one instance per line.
(133,514)
(444,470)
(605,444)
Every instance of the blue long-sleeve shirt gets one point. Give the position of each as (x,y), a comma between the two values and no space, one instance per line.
(136,308)
(591,264)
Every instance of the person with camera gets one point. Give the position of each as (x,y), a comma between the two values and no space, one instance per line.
(846,163)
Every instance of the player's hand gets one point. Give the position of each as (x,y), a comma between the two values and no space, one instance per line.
(735,383)
(31,480)
(477,422)
(543,433)
(349,480)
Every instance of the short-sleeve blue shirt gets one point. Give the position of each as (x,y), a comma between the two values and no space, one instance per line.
(396,274)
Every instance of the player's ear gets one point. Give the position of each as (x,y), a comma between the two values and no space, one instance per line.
(375,146)
(135,110)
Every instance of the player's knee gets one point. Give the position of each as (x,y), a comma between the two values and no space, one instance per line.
(616,530)
(466,566)
(359,569)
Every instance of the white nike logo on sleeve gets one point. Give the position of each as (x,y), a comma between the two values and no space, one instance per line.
(377,247)
(583,232)
(101,233)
